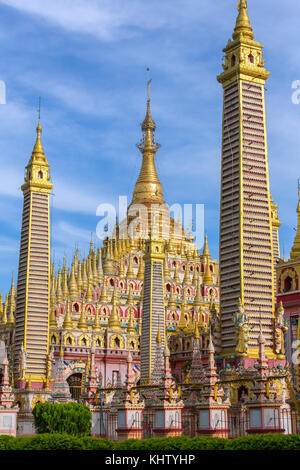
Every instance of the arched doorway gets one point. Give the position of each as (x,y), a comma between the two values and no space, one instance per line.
(242,392)
(288,284)
(75,381)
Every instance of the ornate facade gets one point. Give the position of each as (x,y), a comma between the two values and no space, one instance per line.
(288,303)
(154,336)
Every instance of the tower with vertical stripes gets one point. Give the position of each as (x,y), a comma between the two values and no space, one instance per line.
(246,227)
(153,320)
(33,290)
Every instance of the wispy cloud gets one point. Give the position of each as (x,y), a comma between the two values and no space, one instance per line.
(64,230)
(87,59)
(109,20)
(76,198)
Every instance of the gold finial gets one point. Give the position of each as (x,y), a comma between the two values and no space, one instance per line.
(207,278)
(148,122)
(243,27)
(61,350)
(82,324)
(167,274)
(242,4)
(39,109)
(72,283)
(172,301)
(187,277)
(11,317)
(67,324)
(103,296)
(89,294)
(198,297)
(141,271)
(12,288)
(176,277)
(182,321)
(84,276)
(206,252)
(195,276)
(79,279)
(52,323)
(100,268)
(38,151)
(114,320)
(131,330)
(59,293)
(4,316)
(96,324)
(148,83)
(91,246)
(130,273)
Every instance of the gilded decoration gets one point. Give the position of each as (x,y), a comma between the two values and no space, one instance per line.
(101,341)
(69,338)
(84,340)
(116,341)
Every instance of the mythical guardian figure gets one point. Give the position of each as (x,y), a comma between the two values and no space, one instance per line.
(241,323)
(279,330)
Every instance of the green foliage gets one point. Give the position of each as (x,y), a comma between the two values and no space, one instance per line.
(6,442)
(172,443)
(74,419)
(57,441)
(265,442)
(93,443)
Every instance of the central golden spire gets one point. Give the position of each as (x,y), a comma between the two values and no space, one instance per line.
(148,188)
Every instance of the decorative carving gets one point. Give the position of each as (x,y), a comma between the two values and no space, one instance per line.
(279,331)
(241,329)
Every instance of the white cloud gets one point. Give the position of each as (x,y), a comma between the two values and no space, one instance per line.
(76,198)
(73,198)
(110,20)
(64,230)
(73,94)
(186,65)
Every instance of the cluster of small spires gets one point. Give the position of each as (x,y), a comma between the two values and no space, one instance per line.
(7,309)
(85,281)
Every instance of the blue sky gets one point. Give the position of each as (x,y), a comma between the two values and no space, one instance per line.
(88,60)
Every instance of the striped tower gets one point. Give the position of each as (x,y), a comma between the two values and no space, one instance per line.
(33,290)
(153,321)
(246,228)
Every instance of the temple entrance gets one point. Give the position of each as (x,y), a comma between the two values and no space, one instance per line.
(75,382)
(288,284)
(242,393)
